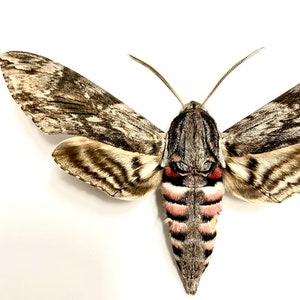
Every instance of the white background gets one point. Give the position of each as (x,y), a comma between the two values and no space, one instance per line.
(62,239)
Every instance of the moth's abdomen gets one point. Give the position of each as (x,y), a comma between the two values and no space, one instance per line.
(191,213)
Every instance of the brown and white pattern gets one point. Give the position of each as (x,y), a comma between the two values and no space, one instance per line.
(123,154)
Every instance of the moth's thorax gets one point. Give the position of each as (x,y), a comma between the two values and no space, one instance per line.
(193,142)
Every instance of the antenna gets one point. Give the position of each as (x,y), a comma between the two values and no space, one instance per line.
(229,71)
(214,88)
(159,76)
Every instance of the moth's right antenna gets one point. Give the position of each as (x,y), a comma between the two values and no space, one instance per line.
(159,76)
(228,72)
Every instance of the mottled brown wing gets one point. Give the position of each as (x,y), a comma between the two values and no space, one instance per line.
(262,151)
(119,173)
(60,100)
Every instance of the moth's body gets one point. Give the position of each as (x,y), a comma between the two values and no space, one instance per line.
(193,190)
(126,156)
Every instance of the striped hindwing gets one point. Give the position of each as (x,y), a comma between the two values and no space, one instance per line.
(121,174)
(117,150)
(262,151)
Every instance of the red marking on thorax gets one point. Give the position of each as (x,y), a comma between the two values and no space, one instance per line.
(217,173)
(170,173)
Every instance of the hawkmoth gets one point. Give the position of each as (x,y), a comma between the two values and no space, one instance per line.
(123,154)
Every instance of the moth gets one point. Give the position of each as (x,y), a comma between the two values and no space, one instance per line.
(123,154)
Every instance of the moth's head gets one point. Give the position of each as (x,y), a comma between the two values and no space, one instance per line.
(192,106)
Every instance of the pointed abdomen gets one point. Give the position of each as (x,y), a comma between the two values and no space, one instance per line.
(192,213)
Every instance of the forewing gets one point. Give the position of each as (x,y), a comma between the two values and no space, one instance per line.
(273,126)
(262,151)
(60,100)
(119,173)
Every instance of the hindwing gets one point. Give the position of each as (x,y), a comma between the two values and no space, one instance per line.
(121,174)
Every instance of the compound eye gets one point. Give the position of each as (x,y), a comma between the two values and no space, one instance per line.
(208,166)
(180,167)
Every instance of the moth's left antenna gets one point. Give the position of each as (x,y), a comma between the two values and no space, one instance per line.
(159,76)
